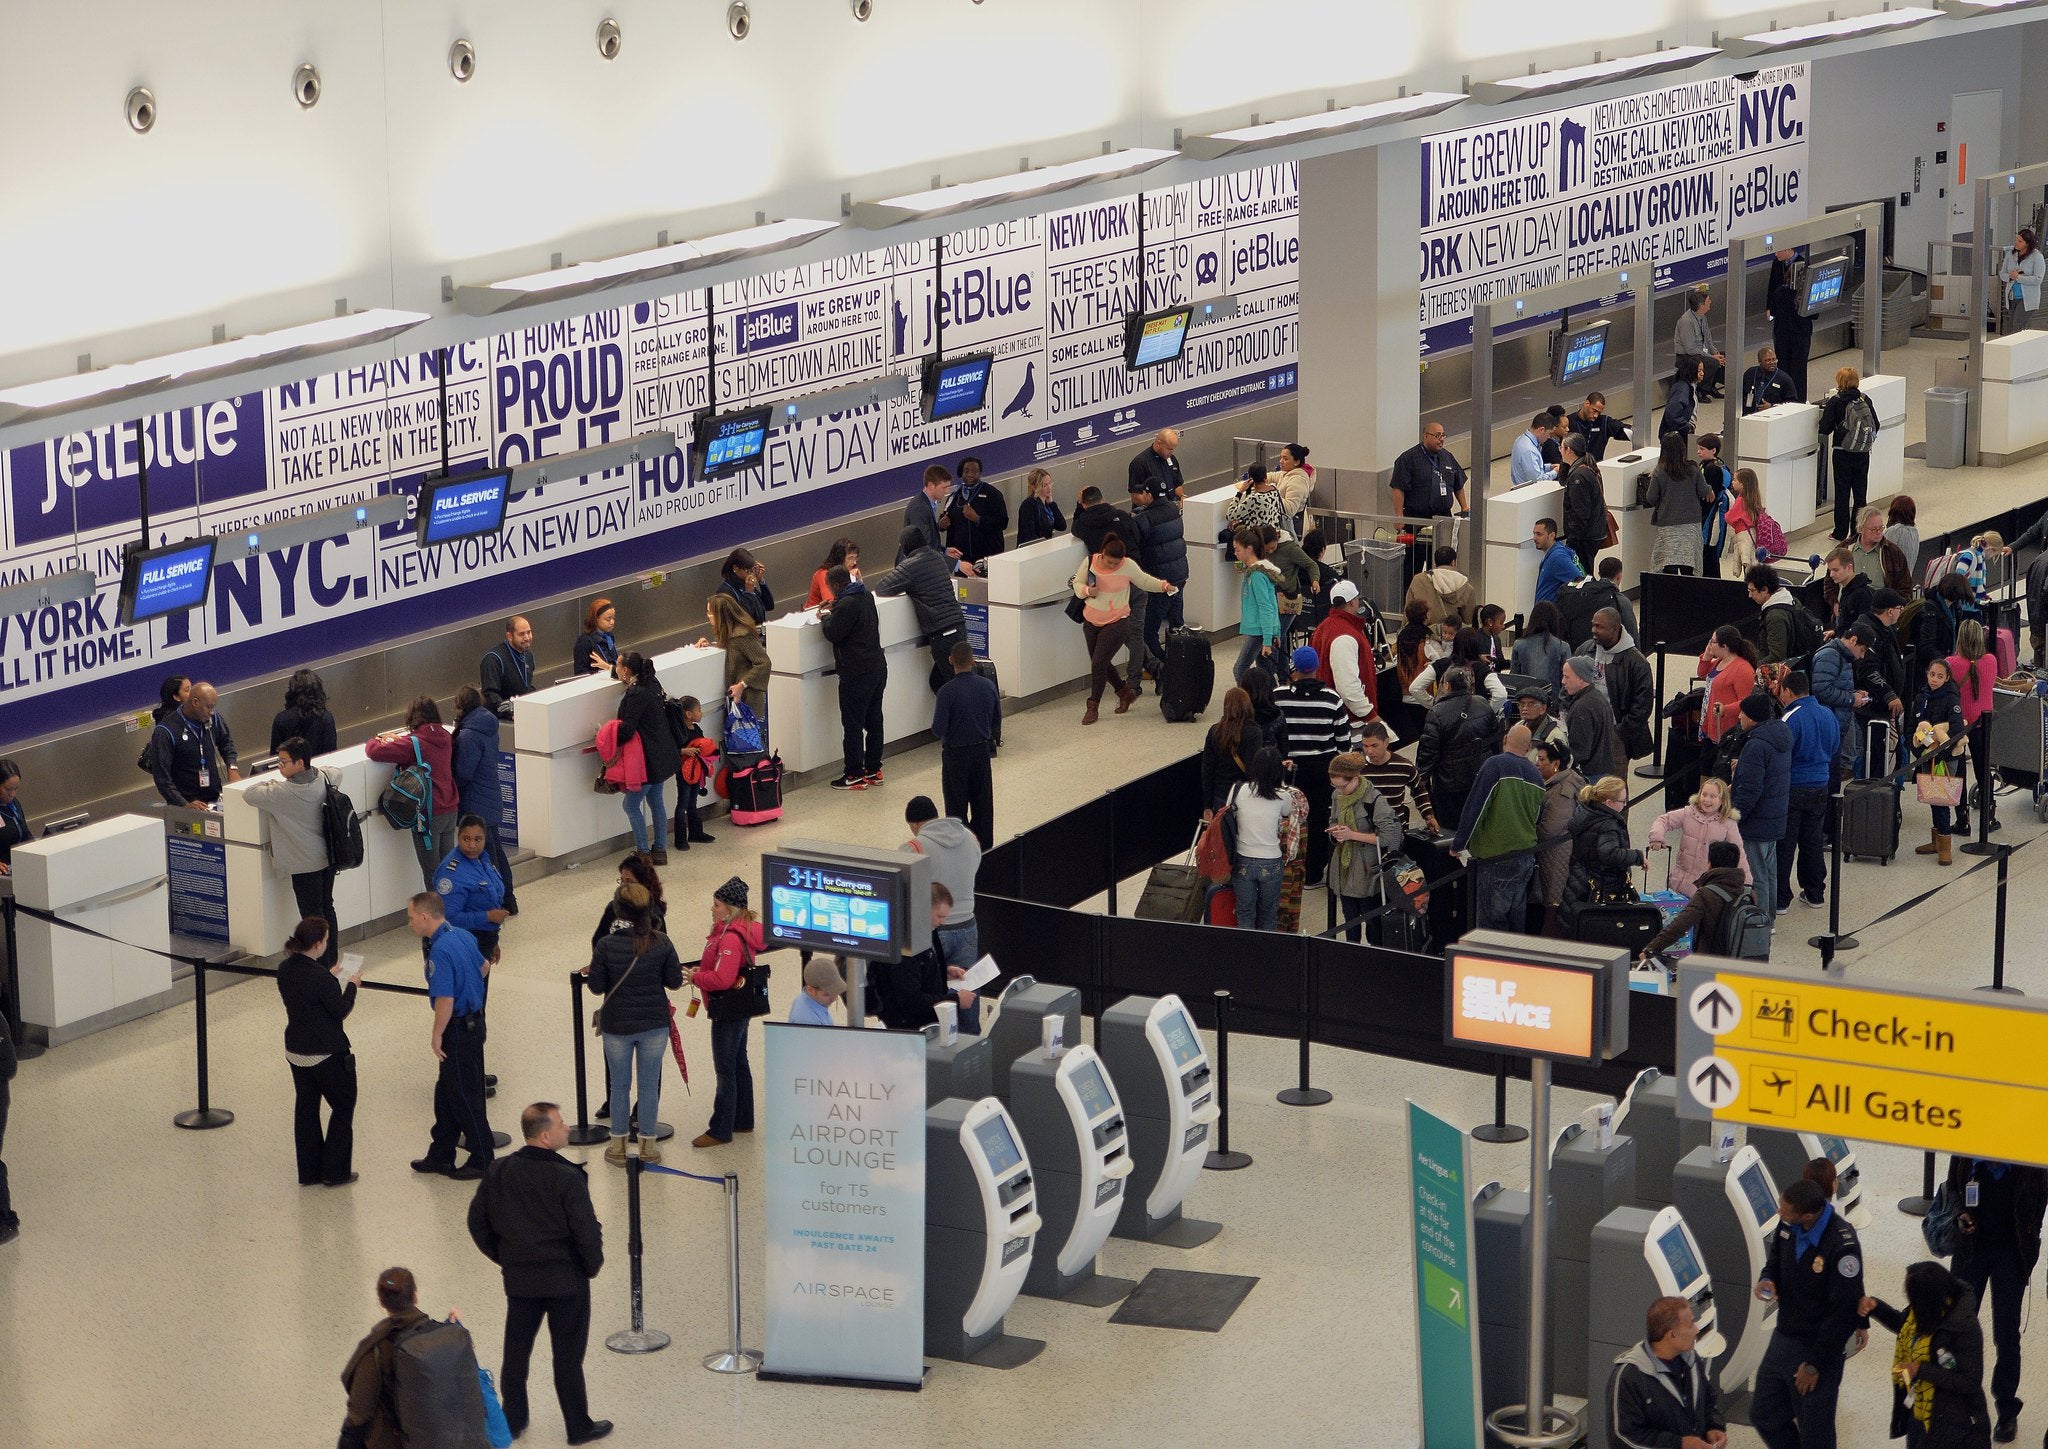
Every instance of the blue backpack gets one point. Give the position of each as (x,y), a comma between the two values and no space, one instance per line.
(408,801)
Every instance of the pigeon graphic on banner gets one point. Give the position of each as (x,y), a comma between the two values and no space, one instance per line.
(1021,403)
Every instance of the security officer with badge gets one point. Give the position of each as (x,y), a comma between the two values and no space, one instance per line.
(455,983)
(1815,1272)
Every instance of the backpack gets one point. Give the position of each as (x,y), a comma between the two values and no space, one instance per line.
(1942,1227)
(408,801)
(1770,538)
(439,1398)
(146,761)
(343,829)
(748,997)
(1802,639)
(1859,426)
(1745,931)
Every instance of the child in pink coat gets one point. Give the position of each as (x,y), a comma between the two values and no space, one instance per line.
(1709,816)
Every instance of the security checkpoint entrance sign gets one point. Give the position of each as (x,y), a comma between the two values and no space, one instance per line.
(1446,1318)
(1927,1068)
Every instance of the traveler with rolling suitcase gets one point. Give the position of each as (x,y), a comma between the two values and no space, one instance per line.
(1724,915)
(1189,675)
(1600,902)
(1175,889)
(1561,786)
(1973,670)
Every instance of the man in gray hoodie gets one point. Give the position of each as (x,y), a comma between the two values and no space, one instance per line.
(295,799)
(956,859)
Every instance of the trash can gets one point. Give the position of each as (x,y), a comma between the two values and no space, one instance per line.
(1948,413)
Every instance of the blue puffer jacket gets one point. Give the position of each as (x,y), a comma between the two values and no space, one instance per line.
(1763,779)
(1162,542)
(1816,740)
(476,767)
(1834,685)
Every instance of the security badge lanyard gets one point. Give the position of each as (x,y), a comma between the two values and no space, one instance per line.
(205,754)
(1970,1192)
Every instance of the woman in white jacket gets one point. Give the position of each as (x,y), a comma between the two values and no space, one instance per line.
(1295,484)
(295,799)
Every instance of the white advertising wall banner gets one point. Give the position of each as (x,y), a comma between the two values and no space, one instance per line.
(1662,179)
(1047,294)
(844,1132)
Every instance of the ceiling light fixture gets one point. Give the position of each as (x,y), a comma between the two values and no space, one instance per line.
(1770,42)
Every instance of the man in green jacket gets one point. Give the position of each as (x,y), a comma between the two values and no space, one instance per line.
(1497,830)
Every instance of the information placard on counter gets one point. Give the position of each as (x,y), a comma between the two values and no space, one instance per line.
(845,1206)
(196,852)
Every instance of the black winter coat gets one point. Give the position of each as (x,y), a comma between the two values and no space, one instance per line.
(1093,524)
(532,1217)
(1601,856)
(1585,503)
(855,632)
(1589,731)
(2028,1189)
(1960,1418)
(637,1002)
(906,991)
(642,715)
(927,576)
(1461,733)
(1219,770)
(1162,542)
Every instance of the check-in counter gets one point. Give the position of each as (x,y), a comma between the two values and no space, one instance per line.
(1618,474)
(557,764)
(1782,445)
(1888,454)
(1031,641)
(2014,395)
(1212,602)
(803,691)
(109,876)
(1511,556)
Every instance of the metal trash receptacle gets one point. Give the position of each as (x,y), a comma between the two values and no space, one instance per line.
(1948,416)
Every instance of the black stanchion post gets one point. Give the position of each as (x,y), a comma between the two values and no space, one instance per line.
(1998,929)
(206,1114)
(1919,1207)
(1655,769)
(1223,1159)
(1980,751)
(1110,873)
(1500,1129)
(1302,1094)
(1832,940)
(584,1133)
(24,1049)
(639,1338)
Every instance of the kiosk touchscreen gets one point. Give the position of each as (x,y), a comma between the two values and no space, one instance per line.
(1732,1209)
(1785,1155)
(1064,1102)
(1156,1058)
(1639,1255)
(981,1223)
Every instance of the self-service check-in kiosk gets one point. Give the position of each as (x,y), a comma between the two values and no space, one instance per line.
(1064,1103)
(1025,1012)
(1649,1114)
(1591,1174)
(1639,1255)
(1501,1247)
(1155,1056)
(1785,1155)
(981,1223)
(955,1065)
(1732,1209)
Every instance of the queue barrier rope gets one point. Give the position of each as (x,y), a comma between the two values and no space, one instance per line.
(735,1357)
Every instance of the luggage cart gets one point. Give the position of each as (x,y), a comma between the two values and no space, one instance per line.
(2019,745)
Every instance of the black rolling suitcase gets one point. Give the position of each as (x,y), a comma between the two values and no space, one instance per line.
(1623,925)
(987,670)
(1870,807)
(1190,676)
(1175,891)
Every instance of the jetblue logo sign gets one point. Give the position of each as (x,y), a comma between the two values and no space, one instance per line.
(765,328)
(86,481)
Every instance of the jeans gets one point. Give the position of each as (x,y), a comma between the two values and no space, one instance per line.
(961,946)
(327,1158)
(1503,890)
(860,721)
(969,785)
(1247,655)
(650,799)
(732,1105)
(569,1332)
(1806,819)
(1784,1417)
(435,846)
(1763,870)
(619,1055)
(1163,613)
(1104,640)
(1257,883)
(313,890)
(2001,1268)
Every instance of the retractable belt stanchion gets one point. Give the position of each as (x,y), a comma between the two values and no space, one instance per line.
(1499,1129)
(1919,1207)
(639,1338)
(1655,769)
(205,1115)
(1832,940)
(734,1358)
(1302,1094)
(1223,1159)
(584,1133)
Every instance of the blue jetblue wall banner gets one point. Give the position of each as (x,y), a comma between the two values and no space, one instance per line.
(1047,294)
(843,1128)
(1662,179)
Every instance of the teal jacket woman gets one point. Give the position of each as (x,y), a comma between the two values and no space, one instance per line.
(1258,622)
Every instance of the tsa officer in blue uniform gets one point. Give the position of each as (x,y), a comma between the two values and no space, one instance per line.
(455,983)
(471,890)
(1814,1269)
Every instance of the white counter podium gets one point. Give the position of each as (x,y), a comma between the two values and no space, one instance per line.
(1213,589)
(1031,641)
(1618,474)
(1511,555)
(109,876)
(556,761)
(803,690)
(2014,396)
(1782,444)
(1888,455)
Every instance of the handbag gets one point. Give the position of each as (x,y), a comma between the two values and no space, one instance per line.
(1218,845)
(1077,609)
(1942,1227)
(1935,786)
(597,1016)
